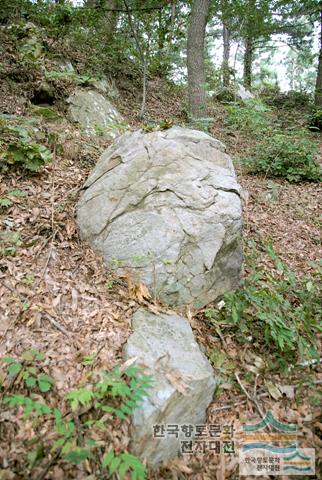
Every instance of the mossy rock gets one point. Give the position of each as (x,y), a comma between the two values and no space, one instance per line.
(47,113)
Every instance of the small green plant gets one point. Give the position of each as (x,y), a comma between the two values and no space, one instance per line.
(29,278)
(70,75)
(286,155)
(123,463)
(9,198)
(28,370)
(30,156)
(120,127)
(99,129)
(18,150)
(111,128)
(276,309)
(89,360)
(9,242)
(109,284)
(116,393)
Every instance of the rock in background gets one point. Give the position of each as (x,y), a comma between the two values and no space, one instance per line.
(95,114)
(244,94)
(166,206)
(183,382)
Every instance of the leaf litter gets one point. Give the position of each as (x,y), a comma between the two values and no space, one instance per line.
(58,298)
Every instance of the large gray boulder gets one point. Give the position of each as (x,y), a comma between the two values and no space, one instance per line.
(95,114)
(166,206)
(183,382)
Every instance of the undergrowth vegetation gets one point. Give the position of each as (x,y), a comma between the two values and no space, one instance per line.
(274,310)
(72,427)
(17,147)
(279,150)
(289,155)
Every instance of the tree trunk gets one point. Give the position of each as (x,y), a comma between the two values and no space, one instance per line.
(195,59)
(143,55)
(318,85)
(226,54)
(108,9)
(248,62)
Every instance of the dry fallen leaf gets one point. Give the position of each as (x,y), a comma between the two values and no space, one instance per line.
(177,382)
(287,390)
(137,291)
(273,390)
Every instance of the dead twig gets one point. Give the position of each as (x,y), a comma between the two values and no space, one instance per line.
(49,464)
(236,404)
(52,220)
(56,324)
(253,399)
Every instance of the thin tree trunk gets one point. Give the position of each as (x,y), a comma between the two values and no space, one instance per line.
(248,62)
(111,18)
(143,57)
(161,55)
(226,54)
(145,72)
(318,85)
(172,21)
(195,59)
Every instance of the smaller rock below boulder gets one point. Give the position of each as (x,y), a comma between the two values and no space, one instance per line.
(95,114)
(183,382)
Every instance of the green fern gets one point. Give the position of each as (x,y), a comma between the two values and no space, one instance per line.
(122,464)
(29,406)
(124,389)
(81,397)
(131,385)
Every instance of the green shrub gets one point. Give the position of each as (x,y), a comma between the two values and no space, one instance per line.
(251,117)
(9,242)
(274,309)
(18,150)
(286,155)
(9,198)
(316,119)
(115,393)
(286,100)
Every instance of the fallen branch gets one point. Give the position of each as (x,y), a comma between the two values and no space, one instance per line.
(236,404)
(56,324)
(251,398)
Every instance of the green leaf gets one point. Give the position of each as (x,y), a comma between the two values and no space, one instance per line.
(114,465)
(5,202)
(82,396)
(45,383)
(36,454)
(44,386)
(107,459)
(14,368)
(30,381)
(120,414)
(309,286)
(17,193)
(89,359)
(9,360)
(126,409)
(77,456)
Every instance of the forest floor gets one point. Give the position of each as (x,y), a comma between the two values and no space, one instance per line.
(58,298)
